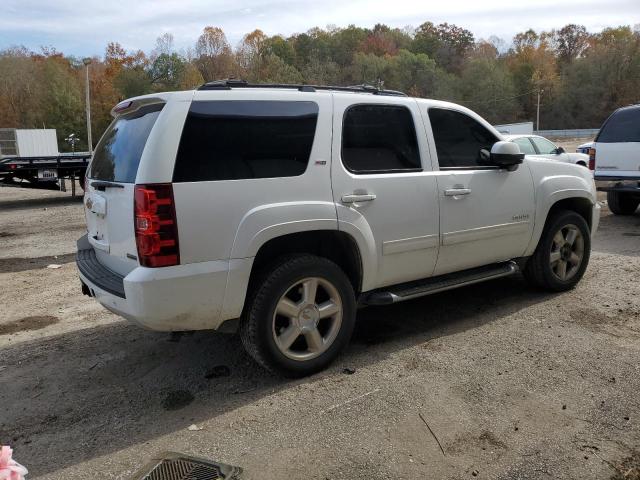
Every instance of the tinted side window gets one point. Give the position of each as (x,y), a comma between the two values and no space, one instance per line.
(543,145)
(525,145)
(379,138)
(231,140)
(459,138)
(117,155)
(622,126)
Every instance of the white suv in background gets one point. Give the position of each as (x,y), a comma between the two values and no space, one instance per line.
(278,210)
(615,157)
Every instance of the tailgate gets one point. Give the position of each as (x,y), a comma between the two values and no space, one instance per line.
(620,159)
(109,216)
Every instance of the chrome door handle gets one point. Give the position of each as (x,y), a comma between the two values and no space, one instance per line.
(358,197)
(454,192)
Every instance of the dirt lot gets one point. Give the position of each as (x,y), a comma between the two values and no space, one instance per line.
(513,383)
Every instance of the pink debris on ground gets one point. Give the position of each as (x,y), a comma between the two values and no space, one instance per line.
(9,468)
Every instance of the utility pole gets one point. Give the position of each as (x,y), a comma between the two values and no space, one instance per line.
(538,110)
(87,62)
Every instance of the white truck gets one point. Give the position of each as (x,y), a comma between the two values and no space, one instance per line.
(32,155)
(20,142)
(615,157)
(278,210)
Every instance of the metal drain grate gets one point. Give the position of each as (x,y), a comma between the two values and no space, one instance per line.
(174,466)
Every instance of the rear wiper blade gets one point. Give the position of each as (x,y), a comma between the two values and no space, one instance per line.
(101,185)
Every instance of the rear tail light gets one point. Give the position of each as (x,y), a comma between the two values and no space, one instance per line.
(592,159)
(155,225)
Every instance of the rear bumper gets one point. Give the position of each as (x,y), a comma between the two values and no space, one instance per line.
(182,297)
(100,276)
(617,184)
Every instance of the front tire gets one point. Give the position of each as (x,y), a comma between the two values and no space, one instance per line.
(562,254)
(622,203)
(299,315)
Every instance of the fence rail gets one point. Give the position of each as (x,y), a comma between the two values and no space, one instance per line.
(578,133)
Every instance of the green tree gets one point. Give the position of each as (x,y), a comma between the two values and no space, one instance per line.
(486,86)
(448,44)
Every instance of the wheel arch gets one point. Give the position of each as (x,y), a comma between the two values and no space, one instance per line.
(577,200)
(337,246)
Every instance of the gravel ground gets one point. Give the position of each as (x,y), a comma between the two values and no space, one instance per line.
(492,381)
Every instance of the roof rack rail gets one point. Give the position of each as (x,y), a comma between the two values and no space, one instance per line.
(230,83)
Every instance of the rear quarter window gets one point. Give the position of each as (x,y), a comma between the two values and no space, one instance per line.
(237,139)
(117,155)
(622,126)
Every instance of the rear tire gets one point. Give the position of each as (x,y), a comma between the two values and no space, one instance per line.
(299,315)
(621,203)
(562,254)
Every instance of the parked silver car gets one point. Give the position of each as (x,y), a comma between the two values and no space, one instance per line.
(537,146)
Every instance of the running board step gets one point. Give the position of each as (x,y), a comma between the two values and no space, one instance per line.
(420,288)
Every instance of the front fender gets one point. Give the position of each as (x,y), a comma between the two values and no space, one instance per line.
(574,158)
(551,189)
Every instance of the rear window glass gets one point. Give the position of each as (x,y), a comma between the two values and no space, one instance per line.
(117,155)
(237,139)
(622,126)
(379,138)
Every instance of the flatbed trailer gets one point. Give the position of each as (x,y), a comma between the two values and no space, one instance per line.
(70,166)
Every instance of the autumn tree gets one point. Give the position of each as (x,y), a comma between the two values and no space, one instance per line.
(583,76)
(570,42)
(214,55)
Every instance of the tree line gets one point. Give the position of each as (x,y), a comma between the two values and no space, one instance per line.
(582,76)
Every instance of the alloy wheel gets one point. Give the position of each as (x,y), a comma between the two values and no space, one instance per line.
(307,319)
(567,252)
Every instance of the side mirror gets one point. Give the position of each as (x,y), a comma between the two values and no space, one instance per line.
(506,155)
(559,150)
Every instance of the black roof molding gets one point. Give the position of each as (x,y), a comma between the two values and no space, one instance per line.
(232,83)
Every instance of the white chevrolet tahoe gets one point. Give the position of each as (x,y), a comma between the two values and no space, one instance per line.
(615,157)
(278,210)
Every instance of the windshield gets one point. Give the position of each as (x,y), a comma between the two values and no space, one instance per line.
(118,153)
(544,146)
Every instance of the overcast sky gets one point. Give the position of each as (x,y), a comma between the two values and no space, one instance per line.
(85,27)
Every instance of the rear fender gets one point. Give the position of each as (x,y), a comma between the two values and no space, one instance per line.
(256,228)
(263,223)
